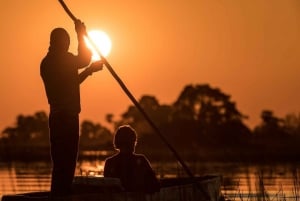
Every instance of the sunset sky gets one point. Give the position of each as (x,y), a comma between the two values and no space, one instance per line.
(249,49)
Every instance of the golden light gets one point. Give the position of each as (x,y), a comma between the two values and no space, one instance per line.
(101,40)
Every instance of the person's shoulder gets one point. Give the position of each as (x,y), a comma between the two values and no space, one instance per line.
(45,59)
(70,55)
(141,158)
(139,155)
(112,157)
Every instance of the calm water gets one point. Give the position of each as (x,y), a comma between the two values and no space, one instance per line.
(240,181)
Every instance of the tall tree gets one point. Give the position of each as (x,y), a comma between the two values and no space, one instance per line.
(271,127)
(209,114)
(292,124)
(29,128)
(94,136)
(159,114)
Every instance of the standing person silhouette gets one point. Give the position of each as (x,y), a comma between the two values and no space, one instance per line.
(134,170)
(59,72)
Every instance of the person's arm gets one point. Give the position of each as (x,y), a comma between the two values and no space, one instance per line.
(84,53)
(94,67)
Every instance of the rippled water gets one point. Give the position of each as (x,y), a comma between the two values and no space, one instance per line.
(241,181)
(19,177)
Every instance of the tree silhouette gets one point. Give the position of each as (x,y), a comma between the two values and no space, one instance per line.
(29,128)
(28,139)
(206,113)
(94,136)
(206,105)
(271,129)
(202,118)
(292,125)
(160,115)
(201,114)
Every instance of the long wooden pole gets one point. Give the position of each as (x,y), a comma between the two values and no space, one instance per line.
(131,97)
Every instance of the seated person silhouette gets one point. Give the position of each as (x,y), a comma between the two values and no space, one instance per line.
(134,170)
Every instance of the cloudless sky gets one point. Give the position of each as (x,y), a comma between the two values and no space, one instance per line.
(248,49)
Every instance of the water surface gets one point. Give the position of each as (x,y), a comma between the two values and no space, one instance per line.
(241,181)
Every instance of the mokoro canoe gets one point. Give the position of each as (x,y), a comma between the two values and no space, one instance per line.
(87,188)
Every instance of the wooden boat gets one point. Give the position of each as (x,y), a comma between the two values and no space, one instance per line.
(87,188)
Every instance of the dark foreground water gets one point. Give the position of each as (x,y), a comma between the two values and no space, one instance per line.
(241,181)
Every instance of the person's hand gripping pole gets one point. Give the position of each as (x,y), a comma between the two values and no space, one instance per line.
(76,20)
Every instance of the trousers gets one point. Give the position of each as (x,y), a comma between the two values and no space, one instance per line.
(64,139)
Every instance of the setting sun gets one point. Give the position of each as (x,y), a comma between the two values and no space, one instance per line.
(101,40)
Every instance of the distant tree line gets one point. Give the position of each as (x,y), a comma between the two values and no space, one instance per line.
(203,121)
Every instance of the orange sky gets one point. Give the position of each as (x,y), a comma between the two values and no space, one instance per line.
(249,49)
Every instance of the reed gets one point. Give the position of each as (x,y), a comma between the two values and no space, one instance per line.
(261,193)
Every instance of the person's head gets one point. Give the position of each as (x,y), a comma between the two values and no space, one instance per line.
(59,40)
(125,139)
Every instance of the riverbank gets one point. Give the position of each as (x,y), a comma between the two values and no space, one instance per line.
(34,153)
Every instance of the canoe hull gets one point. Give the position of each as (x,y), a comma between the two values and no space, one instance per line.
(207,188)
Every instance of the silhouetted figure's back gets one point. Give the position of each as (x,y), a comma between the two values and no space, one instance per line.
(134,170)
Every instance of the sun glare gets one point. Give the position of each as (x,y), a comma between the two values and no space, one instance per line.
(101,40)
